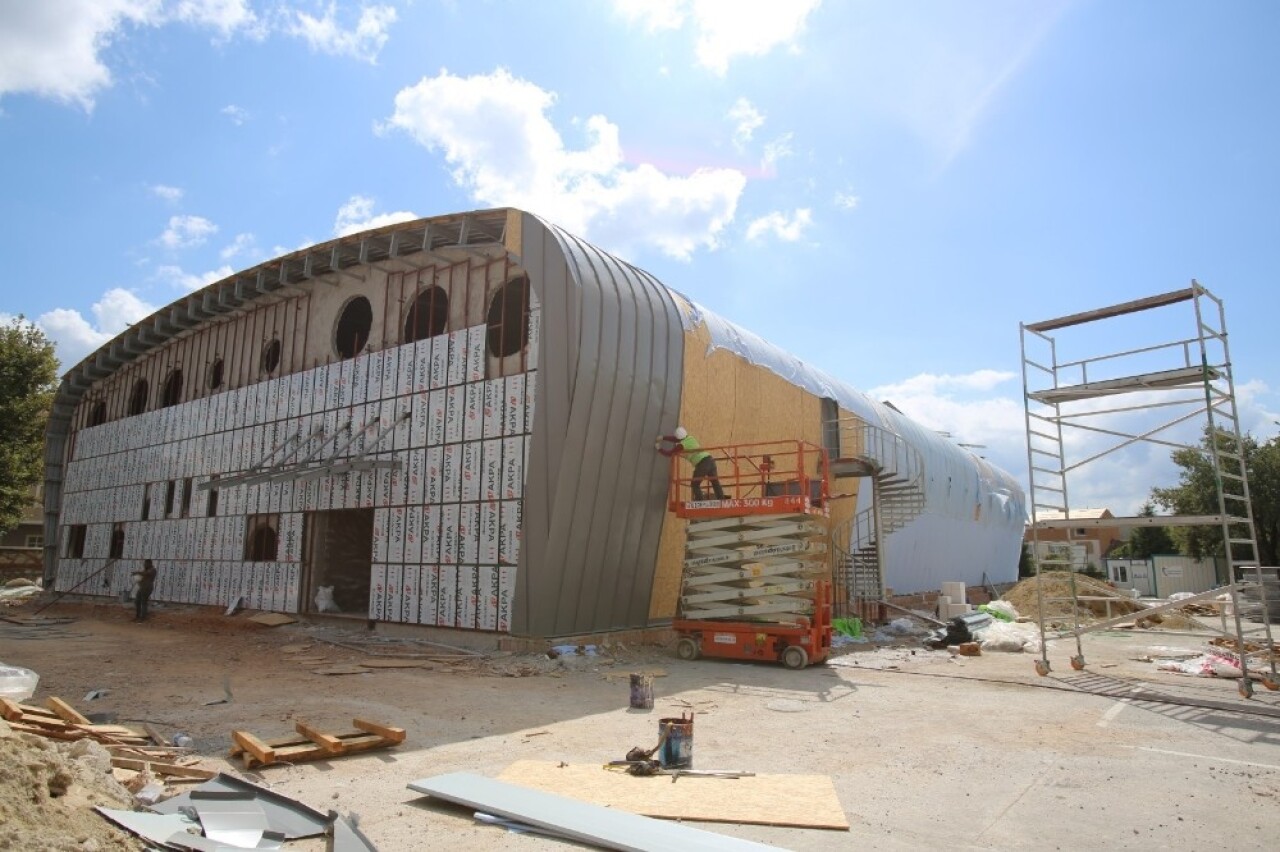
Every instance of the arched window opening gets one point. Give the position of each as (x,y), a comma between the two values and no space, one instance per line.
(261,538)
(351,334)
(508,318)
(428,315)
(138,399)
(171,393)
(215,374)
(271,355)
(98,413)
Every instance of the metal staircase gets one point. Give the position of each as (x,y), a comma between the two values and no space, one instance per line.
(896,471)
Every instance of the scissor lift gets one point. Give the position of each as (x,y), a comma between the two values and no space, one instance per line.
(756,582)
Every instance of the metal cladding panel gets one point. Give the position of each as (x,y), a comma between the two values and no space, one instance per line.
(610,366)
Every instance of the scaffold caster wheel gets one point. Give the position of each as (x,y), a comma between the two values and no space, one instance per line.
(1270,683)
(795,657)
(1246,688)
(1042,667)
(1077,663)
(687,649)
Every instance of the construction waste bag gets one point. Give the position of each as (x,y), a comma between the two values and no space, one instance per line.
(17,683)
(1011,637)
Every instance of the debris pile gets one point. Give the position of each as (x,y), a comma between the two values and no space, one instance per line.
(1056,589)
(48,790)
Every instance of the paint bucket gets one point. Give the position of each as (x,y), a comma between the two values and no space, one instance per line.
(642,692)
(677,742)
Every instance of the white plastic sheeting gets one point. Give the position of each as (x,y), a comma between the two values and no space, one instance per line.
(974,513)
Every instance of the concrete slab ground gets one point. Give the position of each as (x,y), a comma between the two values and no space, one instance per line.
(925,749)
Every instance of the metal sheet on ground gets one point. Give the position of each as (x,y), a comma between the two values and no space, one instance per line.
(795,801)
(589,823)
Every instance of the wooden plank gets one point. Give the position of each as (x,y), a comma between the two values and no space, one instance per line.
(67,712)
(253,746)
(798,801)
(11,710)
(328,742)
(395,735)
(170,769)
(592,824)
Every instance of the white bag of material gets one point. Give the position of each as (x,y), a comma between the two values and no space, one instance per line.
(17,683)
(904,627)
(1010,636)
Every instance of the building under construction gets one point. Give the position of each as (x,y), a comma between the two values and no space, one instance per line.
(451,422)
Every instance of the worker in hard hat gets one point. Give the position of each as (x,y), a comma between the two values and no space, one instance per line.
(704,464)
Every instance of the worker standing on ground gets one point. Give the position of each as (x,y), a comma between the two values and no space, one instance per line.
(146,579)
(704,464)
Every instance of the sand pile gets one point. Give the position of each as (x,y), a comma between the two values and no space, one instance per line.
(1056,587)
(48,791)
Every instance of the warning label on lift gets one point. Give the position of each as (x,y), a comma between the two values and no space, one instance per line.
(725,639)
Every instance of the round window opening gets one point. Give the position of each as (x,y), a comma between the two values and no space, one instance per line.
(215,374)
(508,318)
(352,331)
(138,399)
(428,315)
(171,393)
(98,413)
(271,355)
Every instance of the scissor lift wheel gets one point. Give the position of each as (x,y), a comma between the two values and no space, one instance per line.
(795,657)
(687,648)
(1042,667)
(1077,662)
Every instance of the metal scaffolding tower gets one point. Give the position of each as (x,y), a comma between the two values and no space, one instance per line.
(1164,389)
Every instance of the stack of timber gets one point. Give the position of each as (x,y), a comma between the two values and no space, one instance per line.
(313,744)
(753,567)
(129,748)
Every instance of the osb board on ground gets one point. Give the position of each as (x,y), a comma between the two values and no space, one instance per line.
(796,801)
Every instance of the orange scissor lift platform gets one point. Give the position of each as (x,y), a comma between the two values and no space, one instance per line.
(756,583)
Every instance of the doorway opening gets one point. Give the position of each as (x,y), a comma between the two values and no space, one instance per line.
(338,561)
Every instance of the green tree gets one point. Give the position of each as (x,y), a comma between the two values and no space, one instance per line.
(28,378)
(1145,542)
(1196,494)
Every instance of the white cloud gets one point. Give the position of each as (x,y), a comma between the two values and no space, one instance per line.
(726,29)
(238,115)
(786,228)
(494,133)
(746,120)
(362,43)
(50,48)
(225,16)
(53,48)
(357,215)
(171,194)
(242,243)
(187,232)
(845,200)
(778,149)
(175,276)
(75,337)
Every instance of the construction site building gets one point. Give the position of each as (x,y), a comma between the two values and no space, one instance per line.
(450,422)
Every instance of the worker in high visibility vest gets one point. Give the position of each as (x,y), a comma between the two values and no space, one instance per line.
(704,464)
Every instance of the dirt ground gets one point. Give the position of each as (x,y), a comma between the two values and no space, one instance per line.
(924,748)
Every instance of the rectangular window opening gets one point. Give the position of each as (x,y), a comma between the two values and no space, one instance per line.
(75,541)
(186,497)
(169,488)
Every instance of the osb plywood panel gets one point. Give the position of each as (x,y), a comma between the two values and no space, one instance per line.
(797,801)
(727,400)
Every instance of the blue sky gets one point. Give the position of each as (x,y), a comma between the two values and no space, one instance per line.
(885,189)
